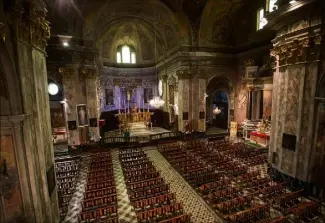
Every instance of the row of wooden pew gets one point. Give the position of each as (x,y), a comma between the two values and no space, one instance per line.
(149,194)
(67,172)
(232,164)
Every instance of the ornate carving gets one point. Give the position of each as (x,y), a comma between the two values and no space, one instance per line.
(66,72)
(34,25)
(184,74)
(89,72)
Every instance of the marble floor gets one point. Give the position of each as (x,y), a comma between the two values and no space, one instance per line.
(193,204)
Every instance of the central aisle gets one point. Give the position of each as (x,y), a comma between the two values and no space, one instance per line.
(193,203)
(126,213)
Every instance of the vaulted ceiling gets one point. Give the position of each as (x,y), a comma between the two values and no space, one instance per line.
(174,23)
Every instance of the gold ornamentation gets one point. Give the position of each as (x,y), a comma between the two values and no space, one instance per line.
(33,28)
(89,72)
(66,72)
(183,74)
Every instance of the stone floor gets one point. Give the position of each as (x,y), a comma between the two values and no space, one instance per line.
(193,203)
(126,212)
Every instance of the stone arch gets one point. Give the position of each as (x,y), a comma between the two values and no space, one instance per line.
(10,94)
(215,84)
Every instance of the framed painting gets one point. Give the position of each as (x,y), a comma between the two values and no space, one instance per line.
(82,115)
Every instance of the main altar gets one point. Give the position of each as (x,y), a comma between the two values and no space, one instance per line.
(136,120)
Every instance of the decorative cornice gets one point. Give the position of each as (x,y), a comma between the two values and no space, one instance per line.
(297,50)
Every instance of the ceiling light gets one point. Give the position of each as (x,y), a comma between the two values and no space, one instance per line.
(65,43)
(292,1)
(53,89)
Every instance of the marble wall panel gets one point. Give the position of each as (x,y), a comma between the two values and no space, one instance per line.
(12,200)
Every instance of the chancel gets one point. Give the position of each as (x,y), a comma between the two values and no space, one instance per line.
(187,111)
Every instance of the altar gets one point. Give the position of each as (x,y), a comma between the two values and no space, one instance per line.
(134,121)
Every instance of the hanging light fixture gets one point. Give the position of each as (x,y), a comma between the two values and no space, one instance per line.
(157,102)
(217,111)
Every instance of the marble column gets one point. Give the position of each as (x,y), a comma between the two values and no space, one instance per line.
(183,99)
(164,79)
(202,85)
(294,105)
(92,97)
(26,136)
(69,77)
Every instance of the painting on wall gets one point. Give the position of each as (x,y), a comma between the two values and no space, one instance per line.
(57,117)
(82,115)
(72,125)
(267,103)
(109,96)
(12,202)
(148,95)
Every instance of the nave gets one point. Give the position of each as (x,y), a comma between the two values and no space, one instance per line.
(191,181)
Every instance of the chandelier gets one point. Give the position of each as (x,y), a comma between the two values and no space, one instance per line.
(156,102)
(217,111)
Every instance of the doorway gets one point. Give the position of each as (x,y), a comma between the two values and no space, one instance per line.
(220,101)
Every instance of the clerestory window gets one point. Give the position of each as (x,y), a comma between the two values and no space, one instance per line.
(125,54)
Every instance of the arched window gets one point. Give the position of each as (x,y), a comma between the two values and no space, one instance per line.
(125,54)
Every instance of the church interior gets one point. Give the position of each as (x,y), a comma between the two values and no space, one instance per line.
(171,111)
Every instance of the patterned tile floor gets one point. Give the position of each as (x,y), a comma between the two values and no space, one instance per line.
(75,207)
(126,212)
(193,203)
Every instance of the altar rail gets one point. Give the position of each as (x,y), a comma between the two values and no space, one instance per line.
(155,138)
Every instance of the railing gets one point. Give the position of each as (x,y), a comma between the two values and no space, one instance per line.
(152,139)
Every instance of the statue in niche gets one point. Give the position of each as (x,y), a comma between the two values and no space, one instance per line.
(221,30)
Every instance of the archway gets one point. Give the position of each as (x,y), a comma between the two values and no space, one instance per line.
(220,101)
(218,91)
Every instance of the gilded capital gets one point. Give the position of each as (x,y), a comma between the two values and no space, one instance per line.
(183,74)
(66,72)
(89,72)
(32,27)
